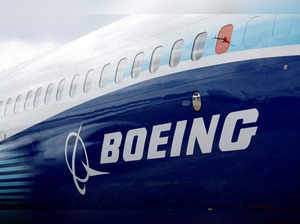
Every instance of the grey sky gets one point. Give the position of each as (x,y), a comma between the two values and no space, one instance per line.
(85,7)
(31,28)
(24,37)
(58,28)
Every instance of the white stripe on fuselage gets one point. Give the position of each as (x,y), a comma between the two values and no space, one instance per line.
(18,122)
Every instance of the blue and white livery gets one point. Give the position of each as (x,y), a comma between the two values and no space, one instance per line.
(168,111)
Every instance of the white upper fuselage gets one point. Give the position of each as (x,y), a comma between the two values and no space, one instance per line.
(125,39)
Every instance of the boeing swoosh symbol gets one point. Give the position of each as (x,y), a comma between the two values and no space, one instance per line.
(89,171)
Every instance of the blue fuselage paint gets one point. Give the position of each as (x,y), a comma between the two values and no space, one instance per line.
(264,174)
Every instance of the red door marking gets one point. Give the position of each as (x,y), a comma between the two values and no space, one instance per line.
(223,39)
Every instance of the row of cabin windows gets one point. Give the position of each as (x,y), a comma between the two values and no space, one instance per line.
(34,100)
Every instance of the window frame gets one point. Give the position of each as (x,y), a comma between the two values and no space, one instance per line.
(2,104)
(120,73)
(48,100)
(140,65)
(104,68)
(193,57)
(8,112)
(119,77)
(36,103)
(61,89)
(30,92)
(74,86)
(20,98)
(173,52)
(89,75)
(153,59)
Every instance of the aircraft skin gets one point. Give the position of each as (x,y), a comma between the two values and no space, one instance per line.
(142,142)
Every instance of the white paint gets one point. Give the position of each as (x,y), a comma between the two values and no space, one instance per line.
(15,52)
(89,171)
(156,140)
(202,136)
(140,134)
(112,141)
(111,148)
(177,138)
(245,134)
(16,123)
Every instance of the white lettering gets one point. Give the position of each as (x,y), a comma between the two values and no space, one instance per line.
(205,139)
(177,138)
(245,135)
(157,140)
(110,147)
(141,134)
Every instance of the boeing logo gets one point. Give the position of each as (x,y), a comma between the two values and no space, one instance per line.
(112,152)
(89,172)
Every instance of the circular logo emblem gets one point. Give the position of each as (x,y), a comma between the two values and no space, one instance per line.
(73,149)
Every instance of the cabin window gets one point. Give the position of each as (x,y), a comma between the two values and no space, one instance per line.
(2,136)
(37,97)
(90,80)
(155,59)
(198,46)
(49,93)
(29,100)
(8,110)
(283,27)
(176,52)
(121,70)
(1,109)
(253,32)
(137,65)
(74,86)
(61,90)
(258,31)
(106,77)
(19,105)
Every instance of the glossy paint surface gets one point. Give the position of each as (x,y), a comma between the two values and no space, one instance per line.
(216,179)
(40,171)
